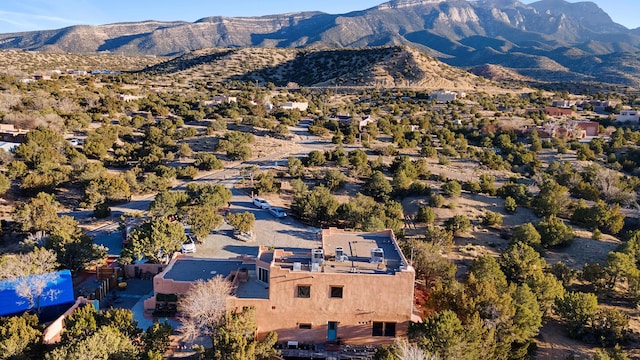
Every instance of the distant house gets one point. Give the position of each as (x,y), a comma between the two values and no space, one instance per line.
(628,116)
(444,96)
(366,121)
(551,111)
(572,129)
(600,105)
(563,103)
(77,72)
(104,72)
(268,106)
(42,77)
(128,98)
(9,134)
(554,111)
(290,105)
(217,100)
(544,132)
(347,120)
(590,128)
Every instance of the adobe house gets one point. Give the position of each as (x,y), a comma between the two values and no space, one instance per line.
(217,100)
(291,105)
(590,128)
(554,111)
(8,133)
(551,111)
(628,115)
(356,288)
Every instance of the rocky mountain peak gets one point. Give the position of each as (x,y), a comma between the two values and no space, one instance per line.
(398,4)
(586,13)
(535,40)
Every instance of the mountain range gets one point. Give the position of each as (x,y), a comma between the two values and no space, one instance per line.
(548,40)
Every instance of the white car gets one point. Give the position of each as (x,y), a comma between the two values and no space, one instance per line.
(261,203)
(189,246)
(277,212)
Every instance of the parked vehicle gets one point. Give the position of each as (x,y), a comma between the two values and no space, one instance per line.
(261,203)
(277,212)
(189,246)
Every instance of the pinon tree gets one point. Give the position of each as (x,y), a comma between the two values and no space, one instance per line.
(20,337)
(153,240)
(242,222)
(378,187)
(553,198)
(527,234)
(578,311)
(554,232)
(74,249)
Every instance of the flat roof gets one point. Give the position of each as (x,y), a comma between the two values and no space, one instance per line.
(357,254)
(193,269)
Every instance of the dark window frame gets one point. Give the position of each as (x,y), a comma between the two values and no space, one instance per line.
(263,275)
(389,329)
(303,291)
(380,328)
(304,326)
(377,329)
(336,292)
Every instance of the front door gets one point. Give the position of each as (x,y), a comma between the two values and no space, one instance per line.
(332,331)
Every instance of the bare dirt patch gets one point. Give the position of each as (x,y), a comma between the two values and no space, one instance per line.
(467,170)
(554,344)
(583,250)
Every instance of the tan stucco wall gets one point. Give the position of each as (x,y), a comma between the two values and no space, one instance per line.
(366,298)
(51,333)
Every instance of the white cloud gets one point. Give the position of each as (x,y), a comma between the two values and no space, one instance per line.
(20,21)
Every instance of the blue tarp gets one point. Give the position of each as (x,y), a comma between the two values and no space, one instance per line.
(59,290)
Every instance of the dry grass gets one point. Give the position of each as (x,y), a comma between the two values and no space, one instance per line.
(26,63)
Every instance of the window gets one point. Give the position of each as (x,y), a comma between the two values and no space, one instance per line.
(383,329)
(303,291)
(304,326)
(336,292)
(389,329)
(377,329)
(263,275)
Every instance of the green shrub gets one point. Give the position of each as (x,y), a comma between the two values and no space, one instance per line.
(426,215)
(491,218)
(436,200)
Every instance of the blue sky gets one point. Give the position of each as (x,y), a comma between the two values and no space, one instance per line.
(27,15)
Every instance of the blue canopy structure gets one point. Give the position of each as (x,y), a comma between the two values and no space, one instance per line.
(58,291)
